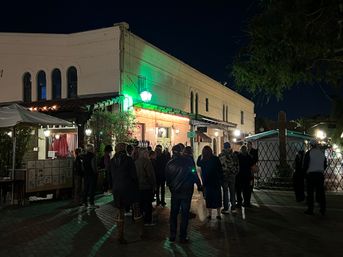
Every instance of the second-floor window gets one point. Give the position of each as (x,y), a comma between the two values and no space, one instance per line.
(207,104)
(223,112)
(196,103)
(56,84)
(192,102)
(72,82)
(27,87)
(242,117)
(41,85)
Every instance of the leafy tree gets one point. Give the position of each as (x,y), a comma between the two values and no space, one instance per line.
(292,42)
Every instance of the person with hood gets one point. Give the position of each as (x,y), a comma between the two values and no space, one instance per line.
(180,178)
(124,187)
(230,167)
(147,184)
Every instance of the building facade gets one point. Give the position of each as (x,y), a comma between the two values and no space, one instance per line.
(71,75)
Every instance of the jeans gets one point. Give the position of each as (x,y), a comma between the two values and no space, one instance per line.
(160,186)
(184,204)
(243,186)
(227,186)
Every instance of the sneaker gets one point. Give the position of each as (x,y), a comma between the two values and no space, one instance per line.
(224,211)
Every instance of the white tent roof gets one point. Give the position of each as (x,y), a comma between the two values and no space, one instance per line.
(15,114)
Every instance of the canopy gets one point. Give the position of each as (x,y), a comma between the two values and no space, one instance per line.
(15,114)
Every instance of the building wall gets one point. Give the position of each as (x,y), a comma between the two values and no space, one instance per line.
(171,82)
(95,54)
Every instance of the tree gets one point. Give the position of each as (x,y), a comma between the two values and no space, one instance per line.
(292,42)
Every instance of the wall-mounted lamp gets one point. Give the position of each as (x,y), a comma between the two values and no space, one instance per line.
(88,132)
(177,131)
(57,136)
(216,134)
(46,133)
(145,96)
(236,132)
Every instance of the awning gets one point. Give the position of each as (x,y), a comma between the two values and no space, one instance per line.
(203,121)
(202,137)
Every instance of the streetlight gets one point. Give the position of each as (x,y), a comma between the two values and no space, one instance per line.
(320,134)
(88,132)
(236,132)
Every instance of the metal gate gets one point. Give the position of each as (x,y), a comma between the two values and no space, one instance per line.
(270,176)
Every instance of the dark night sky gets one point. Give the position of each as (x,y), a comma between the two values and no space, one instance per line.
(204,35)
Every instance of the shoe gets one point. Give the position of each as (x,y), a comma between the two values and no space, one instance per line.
(218,217)
(308,212)
(184,240)
(171,239)
(224,211)
(151,224)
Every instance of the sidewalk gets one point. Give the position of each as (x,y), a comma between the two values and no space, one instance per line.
(275,225)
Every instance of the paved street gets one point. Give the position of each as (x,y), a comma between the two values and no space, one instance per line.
(275,226)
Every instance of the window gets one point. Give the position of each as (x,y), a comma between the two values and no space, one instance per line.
(72,82)
(223,112)
(192,102)
(196,104)
(207,104)
(227,114)
(41,85)
(242,117)
(27,87)
(56,84)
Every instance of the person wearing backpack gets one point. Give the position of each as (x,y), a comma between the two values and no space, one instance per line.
(90,176)
(230,165)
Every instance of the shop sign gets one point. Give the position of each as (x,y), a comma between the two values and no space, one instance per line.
(190,134)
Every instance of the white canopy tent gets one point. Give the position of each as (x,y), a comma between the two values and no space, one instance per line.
(14,115)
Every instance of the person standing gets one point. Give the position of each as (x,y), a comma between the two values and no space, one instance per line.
(180,178)
(299,177)
(78,175)
(147,184)
(254,168)
(124,187)
(90,176)
(105,162)
(160,176)
(243,177)
(230,165)
(315,164)
(212,178)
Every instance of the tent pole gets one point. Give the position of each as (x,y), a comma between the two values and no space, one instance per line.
(13,163)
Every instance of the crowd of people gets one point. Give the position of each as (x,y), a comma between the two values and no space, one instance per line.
(137,176)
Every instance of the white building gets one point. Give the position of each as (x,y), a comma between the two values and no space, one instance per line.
(71,75)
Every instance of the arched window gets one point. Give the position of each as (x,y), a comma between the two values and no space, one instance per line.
(41,85)
(56,84)
(192,102)
(72,82)
(27,87)
(196,103)
(224,112)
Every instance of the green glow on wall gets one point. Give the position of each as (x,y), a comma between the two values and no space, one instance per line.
(127,103)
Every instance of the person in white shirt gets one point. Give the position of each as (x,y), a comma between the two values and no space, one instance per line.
(315,164)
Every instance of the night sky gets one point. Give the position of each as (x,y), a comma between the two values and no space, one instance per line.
(204,35)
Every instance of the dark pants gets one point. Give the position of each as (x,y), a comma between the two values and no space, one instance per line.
(160,188)
(89,188)
(315,182)
(184,204)
(107,184)
(145,204)
(243,186)
(299,189)
(77,188)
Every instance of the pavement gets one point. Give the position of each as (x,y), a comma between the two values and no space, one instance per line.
(275,226)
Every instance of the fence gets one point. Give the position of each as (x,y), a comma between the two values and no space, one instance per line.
(270,176)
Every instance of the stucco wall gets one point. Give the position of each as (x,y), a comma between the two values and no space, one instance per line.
(95,54)
(171,82)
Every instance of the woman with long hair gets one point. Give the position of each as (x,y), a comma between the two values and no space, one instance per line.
(212,176)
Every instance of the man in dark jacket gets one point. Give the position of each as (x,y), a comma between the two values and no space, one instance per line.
(161,162)
(90,176)
(124,187)
(180,178)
